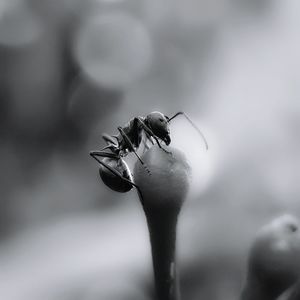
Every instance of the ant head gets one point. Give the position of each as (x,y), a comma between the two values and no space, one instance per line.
(158,123)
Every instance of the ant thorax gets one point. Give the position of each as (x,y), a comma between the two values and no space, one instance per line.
(114,149)
(123,152)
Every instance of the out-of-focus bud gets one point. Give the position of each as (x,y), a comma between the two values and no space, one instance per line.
(274,259)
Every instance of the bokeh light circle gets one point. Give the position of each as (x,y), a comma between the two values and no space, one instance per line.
(113,49)
(19,25)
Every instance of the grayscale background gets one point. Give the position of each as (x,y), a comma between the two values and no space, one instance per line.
(72,69)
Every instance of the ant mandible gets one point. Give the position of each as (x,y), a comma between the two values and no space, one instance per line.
(114,171)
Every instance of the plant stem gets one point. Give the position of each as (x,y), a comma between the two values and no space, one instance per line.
(162,229)
(163,192)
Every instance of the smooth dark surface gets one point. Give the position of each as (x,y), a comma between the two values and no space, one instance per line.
(162,229)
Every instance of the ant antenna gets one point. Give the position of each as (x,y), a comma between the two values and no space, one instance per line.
(192,123)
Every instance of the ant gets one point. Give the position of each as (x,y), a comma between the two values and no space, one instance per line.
(114,171)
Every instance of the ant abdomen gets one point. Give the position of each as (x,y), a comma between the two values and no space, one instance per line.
(114,182)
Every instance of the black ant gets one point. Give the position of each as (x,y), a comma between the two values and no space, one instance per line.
(114,171)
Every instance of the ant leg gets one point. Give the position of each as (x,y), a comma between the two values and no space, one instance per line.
(191,122)
(128,142)
(107,147)
(94,154)
(110,146)
(108,138)
(110,143)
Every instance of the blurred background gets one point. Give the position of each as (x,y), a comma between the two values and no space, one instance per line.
(73,69)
